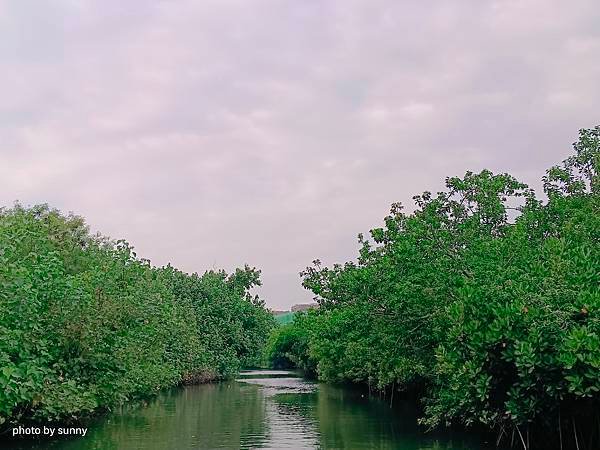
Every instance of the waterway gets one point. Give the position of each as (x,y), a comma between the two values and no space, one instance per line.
(262,409)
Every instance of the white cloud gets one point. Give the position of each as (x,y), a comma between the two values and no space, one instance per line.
(218,133)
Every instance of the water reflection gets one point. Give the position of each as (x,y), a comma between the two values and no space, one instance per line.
(340,418)
(262,409)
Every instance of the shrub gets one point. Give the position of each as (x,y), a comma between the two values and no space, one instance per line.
(484,302)
(85,324)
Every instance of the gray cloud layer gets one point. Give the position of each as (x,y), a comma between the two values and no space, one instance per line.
(215,133)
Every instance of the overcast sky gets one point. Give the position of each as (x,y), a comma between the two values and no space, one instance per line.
(216,133)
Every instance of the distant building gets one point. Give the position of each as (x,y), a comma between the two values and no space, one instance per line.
(304,307)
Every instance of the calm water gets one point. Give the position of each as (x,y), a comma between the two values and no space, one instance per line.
(262,409)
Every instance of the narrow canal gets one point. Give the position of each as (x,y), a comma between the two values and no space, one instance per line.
(262,409)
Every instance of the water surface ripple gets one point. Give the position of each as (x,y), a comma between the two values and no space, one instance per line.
(262,409)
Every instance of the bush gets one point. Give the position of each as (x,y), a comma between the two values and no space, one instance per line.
(287,346)
(85,324)
(484,302)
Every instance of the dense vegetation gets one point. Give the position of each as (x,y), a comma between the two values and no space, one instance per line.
(484,302)
(85,324)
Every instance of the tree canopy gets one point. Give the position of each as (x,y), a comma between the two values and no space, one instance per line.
(85,324)
(484,302)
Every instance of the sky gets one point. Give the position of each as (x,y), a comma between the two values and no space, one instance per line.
(213,134)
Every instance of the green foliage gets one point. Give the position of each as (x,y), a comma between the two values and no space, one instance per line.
(287,346)
(485,300)
(85,324)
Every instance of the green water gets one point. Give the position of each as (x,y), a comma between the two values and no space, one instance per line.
(262,409)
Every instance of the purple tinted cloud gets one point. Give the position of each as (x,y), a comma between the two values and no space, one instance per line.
(218,133)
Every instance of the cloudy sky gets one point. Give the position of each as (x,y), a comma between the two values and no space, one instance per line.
(222,132)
